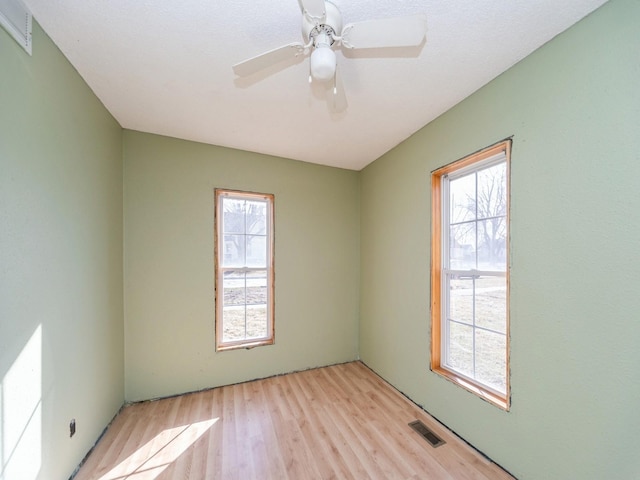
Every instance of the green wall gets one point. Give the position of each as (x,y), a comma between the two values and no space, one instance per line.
(352,260)
(169,277)
(61,307)
(573,109)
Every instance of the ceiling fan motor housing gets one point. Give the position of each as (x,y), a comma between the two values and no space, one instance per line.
(318,29)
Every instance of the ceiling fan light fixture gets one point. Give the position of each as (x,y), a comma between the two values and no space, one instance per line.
(323,63)
(322,31)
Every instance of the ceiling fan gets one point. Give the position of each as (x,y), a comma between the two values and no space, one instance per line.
(322,31)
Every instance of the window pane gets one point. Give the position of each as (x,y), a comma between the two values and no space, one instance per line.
(462,246)
(256,251)
(492,190)
(233,211)
(234,323)
(492,244)
(491,359)
(491,303)
(460,348)
(257,287)
(461,300)
(234,248)
(257,298)
(256,321)
(462,199)
(233,285)
(257,217)
(233,310)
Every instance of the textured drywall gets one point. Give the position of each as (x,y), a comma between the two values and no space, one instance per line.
(61,307)
(573,109)
(169,277)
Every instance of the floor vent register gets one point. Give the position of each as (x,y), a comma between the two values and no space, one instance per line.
(426,433)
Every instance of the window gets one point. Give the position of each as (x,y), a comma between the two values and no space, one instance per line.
(244,269)
(470,274)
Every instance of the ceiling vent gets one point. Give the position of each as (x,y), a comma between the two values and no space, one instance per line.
(16,19)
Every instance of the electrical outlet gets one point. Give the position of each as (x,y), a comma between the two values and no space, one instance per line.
(72,427)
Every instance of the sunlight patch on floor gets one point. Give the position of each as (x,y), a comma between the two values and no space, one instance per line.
(150,460)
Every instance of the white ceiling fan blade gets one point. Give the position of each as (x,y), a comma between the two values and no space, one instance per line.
(314,9)
(266,59)
(337,98)
(387,32)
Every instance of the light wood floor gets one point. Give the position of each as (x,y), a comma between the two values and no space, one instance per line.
(336,422)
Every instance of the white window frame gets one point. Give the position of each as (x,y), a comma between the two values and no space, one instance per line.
(221,268)
(442,273)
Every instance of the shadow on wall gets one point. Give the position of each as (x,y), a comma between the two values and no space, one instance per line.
(21,413)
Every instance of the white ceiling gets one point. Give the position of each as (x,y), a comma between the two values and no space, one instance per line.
(164,67)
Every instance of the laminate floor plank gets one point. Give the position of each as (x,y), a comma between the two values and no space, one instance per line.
(327,457)
(337,422)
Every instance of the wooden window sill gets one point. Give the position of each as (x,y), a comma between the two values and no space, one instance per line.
(487,395)
(245,345)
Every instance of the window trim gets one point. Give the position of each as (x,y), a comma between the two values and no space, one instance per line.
(496,398)
(222,345)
